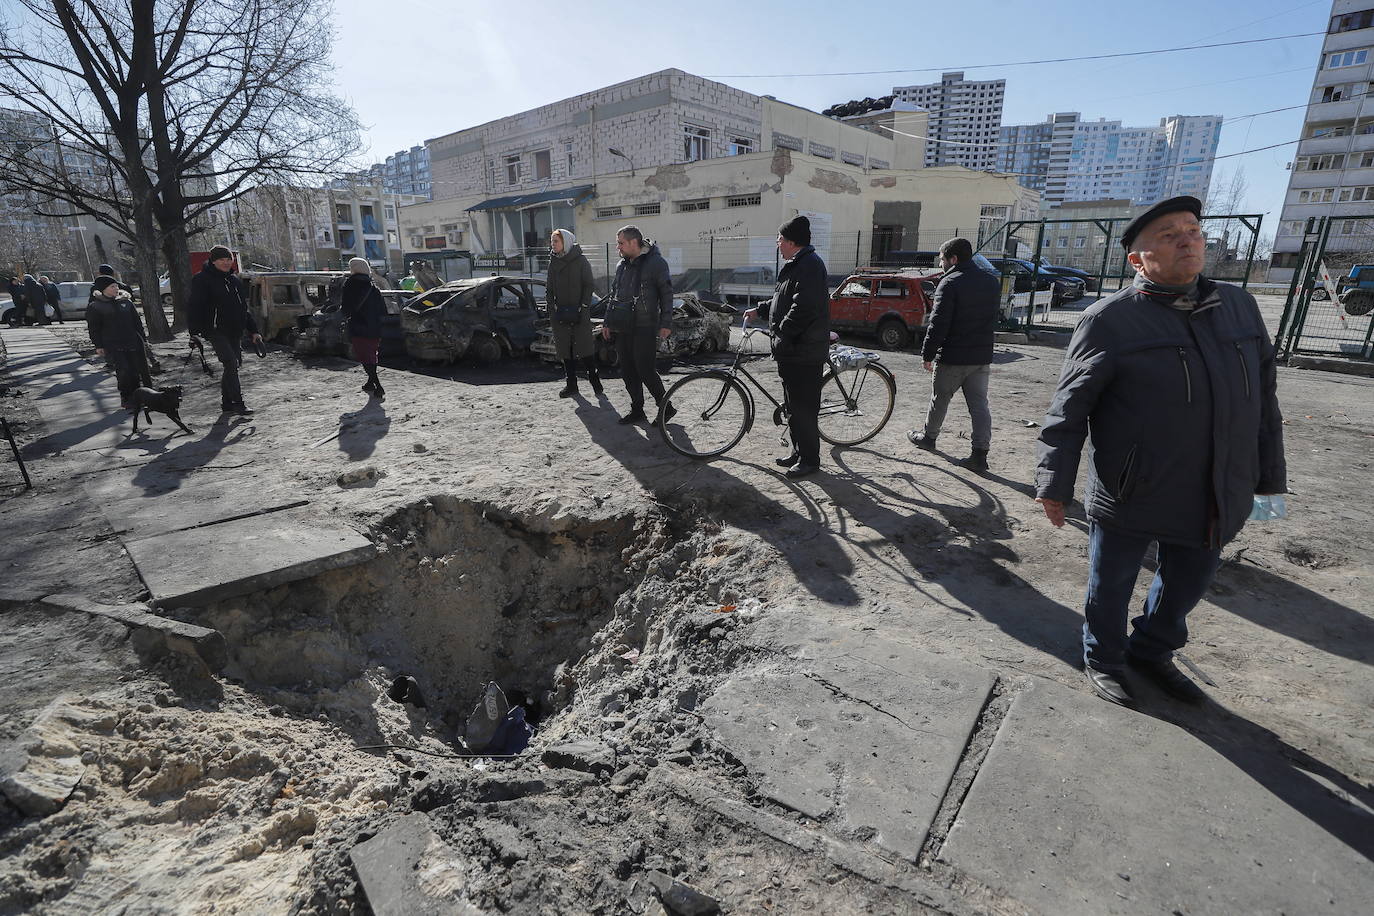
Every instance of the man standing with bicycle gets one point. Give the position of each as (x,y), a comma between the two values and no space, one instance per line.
(958,348)
(799,318)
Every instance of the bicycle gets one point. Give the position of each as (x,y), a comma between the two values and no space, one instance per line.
(714,409)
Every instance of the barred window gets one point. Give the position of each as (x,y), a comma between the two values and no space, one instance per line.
(691,206)
(744,200)
(648,209)
(607,212)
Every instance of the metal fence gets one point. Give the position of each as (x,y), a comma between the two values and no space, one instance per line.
(1314,322)
(1093,246)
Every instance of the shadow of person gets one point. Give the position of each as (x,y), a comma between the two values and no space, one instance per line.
(952,533)
(362,429)
(167,471)
(1275,603)
(811,550)
(1312,789)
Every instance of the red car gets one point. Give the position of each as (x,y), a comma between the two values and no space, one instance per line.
(893,305)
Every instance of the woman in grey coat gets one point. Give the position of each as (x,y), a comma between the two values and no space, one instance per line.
(569,294)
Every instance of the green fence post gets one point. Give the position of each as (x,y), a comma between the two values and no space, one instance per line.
(1035,277)
(1292,299)
(1106,254)
(1254,240)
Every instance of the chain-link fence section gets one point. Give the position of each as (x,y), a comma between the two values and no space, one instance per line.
(1328,309)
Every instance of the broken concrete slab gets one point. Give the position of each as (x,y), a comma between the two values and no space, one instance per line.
(584,756)
(40,768)
(681,899)
(406,870)
(1084,807)
(153,636)
(193,568)
(821,733)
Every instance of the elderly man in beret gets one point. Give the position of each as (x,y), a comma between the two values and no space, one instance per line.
(1172,382)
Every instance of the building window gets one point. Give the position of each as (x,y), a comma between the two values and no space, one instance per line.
(417,241)
(1316,196)
(1321,163)
(392,239)
(567,150)
(1080,241)
(1347,58)
(1349,22)
(343,213)
(648,209)
(1062,242)
(696,143)
(347,240)
(543,166)
(607,212)
(390,213)
(744,200)
(740,146)
(692,206)
(512,170)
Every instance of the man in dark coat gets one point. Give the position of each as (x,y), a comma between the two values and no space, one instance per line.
(363,308)
(1173,381)
(116,329)
(644,286)
(37,297)
(958,348)
(799,317)
(217,308)
(54,296)
(16,317)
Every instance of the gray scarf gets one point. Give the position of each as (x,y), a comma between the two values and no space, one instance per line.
(1181,296)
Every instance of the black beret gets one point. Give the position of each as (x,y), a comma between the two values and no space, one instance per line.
(1172,205)
(796,230)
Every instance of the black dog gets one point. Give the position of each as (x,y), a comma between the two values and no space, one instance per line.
(164,400)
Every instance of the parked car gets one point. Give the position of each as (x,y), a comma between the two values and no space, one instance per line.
(280,300)
(1025,278)
(323,333)
(700,325)
(484,317)
(893,305)
(1089,281)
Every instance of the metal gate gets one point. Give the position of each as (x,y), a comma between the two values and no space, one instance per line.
(1314,322)
(1098,246)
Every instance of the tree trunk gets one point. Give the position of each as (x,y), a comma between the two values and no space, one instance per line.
(177,252)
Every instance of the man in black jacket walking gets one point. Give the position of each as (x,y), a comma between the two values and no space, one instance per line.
(958,348)
(54,296)
(1173,381)
(799,317)
(645,288)
(217,308)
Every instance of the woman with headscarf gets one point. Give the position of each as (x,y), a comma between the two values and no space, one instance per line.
(569,292)
(363,309)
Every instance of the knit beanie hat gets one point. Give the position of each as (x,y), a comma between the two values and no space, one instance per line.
(103,283)
(219,251)
(359,266)
(796,230)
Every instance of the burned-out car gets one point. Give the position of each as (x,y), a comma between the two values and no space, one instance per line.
(324,333)
(699,326)
(483,317)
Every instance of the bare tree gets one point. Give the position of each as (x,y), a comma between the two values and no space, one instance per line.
(192,102)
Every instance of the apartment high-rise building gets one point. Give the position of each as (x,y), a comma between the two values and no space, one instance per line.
(965,117)
(1332,173)
(1067,158)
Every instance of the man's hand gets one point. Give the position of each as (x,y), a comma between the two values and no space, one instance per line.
(751,314)
(605,333)
(99,351)
(1054,511)
(930,367)
(664,332)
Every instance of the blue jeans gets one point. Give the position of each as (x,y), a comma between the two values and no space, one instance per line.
(1113,563)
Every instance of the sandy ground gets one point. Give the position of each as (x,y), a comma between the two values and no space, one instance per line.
(585,560)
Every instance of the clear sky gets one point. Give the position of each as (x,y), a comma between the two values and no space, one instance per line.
(416,69)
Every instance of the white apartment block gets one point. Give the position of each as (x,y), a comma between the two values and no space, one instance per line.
(1069,159)
(1332,173)
(965,117)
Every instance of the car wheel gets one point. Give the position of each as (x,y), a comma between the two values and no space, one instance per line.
(486,350)
(893,335)
(1358,302)
(708,346)
(1320,294)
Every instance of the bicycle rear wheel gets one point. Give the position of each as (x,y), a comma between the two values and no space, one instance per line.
(856,403)
(714,411)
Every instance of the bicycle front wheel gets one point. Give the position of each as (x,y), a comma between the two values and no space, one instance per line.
(856,403)
(714,411)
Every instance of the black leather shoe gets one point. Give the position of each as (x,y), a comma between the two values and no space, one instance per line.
(788,461)
(634,416)
(667,411)
(921,441)
(802,469)
(568,391)
(1110,687)
(1168,678)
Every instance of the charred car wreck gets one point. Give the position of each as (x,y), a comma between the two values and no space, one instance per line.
(487,318)
(699,326)
(325,333)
